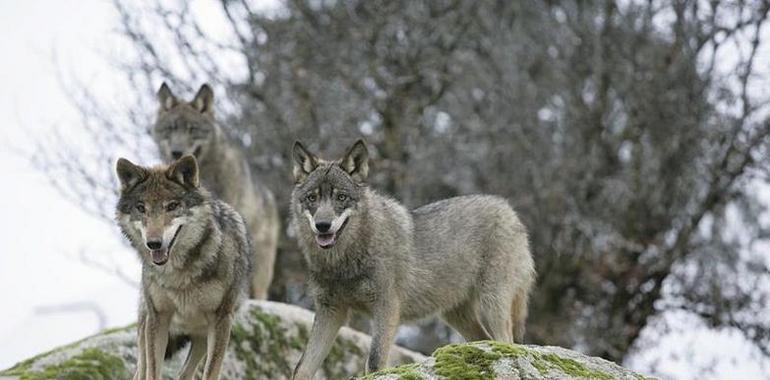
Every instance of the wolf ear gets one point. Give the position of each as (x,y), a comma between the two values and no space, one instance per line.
(128,173)
(184,171)
(204,99)
(166,98)
(304,162)
(356,161)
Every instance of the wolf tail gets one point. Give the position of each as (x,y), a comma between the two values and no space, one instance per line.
(175,344)
(519,316)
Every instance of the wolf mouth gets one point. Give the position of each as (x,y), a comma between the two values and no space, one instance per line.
(327,240)
(160,256)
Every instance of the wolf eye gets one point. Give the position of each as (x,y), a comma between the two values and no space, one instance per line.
(140,208)
(311,198)
(342,197)
(172,206)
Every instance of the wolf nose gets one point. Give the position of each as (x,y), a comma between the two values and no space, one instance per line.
(176,154)
(154,244)
(323,226)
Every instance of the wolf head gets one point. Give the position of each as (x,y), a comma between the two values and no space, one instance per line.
(327,194)
(185,127)
(157,204)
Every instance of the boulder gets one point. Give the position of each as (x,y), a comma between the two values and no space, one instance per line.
(266,342)
(498,361)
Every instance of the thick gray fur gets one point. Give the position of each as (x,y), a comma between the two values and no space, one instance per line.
(465,258)
(206,275)
(191,128)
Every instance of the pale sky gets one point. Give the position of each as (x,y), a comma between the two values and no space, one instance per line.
(44,235)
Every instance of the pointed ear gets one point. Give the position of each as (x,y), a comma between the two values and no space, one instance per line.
(184,171)
(356,161)
(166,98)
(128,173)
(204,99)
(304,162)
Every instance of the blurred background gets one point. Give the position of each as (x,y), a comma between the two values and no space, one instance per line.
(631,137)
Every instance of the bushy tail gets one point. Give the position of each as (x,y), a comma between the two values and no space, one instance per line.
(519,311)
(175,344)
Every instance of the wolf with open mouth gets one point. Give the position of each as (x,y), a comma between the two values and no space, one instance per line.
(196,264)
(465,258)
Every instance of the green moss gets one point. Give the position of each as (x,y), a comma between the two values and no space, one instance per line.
(463,361)
(91,363)
(265,334)
(404,372)
(574,368)
(262,334)
(341,352)
(24,366)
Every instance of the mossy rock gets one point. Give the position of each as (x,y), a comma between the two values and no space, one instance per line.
(266,342)
(493,360)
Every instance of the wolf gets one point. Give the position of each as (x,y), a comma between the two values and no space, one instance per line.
(465,258)
(191,128)
(196,264)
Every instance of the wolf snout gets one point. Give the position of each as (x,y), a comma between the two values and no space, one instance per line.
(323,227)
(154,244)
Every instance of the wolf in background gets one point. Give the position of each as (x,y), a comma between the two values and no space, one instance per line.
(196,264)
(465,258)
(191,128)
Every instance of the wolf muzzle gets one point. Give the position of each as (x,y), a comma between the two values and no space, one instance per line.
(160,254)
(326,233)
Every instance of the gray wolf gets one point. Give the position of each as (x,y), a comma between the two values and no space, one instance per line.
(191,128)
(465,258)
(196,263)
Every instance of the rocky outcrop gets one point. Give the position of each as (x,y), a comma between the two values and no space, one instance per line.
(268,338)
(499,361)
(266,342)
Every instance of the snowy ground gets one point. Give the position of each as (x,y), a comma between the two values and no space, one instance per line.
(51,295)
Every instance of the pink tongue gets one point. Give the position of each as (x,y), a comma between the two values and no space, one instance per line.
(159,256)
(325,240)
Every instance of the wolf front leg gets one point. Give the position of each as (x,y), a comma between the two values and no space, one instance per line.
(141,347)
(218,338)
(386,316)
(326,324)
(156,338)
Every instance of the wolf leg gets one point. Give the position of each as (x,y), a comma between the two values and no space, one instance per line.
(465,319)
(386,317)
(156,338)
(218,338)
(197,351)
(141,348)
(326,323)
(264,255)
(265,232)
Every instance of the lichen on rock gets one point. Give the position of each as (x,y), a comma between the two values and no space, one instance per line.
(266,342)
(489,360)
(268,338)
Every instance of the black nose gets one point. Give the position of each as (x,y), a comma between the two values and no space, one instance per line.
(323,226)
(176,154)
(154,244)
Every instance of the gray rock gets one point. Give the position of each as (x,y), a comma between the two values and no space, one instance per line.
(493,360)
(266,342)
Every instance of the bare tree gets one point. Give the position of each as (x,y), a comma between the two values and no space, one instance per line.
(613,129)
